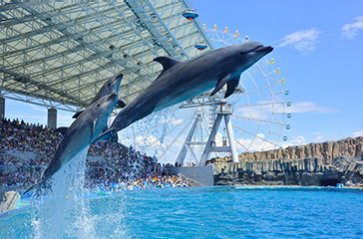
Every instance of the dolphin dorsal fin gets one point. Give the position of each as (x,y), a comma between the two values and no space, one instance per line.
(75,116)
(166,62)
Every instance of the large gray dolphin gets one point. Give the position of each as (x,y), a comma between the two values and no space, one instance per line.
(180,81)
(82,132)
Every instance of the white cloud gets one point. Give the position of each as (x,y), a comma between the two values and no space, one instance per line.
(258,143)
(309,107)
(175,122)
(293,141)
(303,40)
(147,141)
(357,133)
(261,143)
(350,30)
(318,137)
(254,112)
(264,109)
(296,140)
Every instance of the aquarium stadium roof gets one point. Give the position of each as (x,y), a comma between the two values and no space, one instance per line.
(63,52)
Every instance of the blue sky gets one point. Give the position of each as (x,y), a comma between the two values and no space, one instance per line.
(318,46)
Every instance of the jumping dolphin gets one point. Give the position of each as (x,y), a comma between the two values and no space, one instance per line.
(109,87)
(83,131)
(180,81)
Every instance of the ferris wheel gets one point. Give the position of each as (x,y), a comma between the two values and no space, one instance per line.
(260,114)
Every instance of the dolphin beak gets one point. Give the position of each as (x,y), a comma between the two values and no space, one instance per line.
(264,49)
(119,76)
(112,96)
(116,81)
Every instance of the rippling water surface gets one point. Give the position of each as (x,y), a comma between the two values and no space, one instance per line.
(218,212)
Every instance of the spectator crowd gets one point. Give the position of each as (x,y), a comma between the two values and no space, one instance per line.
(26,150)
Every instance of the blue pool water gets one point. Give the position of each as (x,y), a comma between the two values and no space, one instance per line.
(204,212)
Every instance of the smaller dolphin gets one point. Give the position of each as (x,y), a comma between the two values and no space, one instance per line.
(109,87)
(181,81)
(82,132)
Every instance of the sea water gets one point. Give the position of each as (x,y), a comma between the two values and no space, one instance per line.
(205,212)
(62,211)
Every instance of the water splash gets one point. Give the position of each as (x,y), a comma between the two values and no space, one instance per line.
(151,135)
(63,212)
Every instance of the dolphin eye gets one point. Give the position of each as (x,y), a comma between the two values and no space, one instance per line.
(98,105)
(109,84)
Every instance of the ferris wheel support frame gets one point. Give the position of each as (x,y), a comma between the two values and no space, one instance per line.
(188,141)
(225,111)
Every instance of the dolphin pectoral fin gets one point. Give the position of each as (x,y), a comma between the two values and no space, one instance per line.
(231,86)
(166,62)
(120,104)
(61,130)
(75,116)
(109,135)
(220,84)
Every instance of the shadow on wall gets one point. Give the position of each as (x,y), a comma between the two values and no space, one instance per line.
(329,182)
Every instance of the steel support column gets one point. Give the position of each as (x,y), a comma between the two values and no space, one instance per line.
(2,107)
(183,152)
(224,111)
(52,118)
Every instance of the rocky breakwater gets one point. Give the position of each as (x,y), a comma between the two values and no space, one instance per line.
(320,164)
